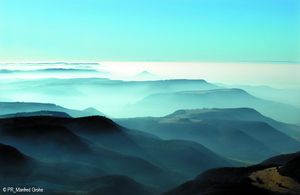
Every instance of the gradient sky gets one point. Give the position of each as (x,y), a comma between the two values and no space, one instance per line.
(150,30)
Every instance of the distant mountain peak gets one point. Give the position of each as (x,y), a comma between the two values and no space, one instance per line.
(145,72)
(146,75)
(93,111)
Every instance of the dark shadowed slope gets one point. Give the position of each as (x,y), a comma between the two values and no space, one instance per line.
(183,156)
(11,158)
(239,133)
(120,185)
(233,181)
(217,98)
(47,138)
(51,139)
(19,168)
(100,143)
(106,185)
(292,169)
(16,166)
(229,142)
(9,108)
(259,179)
(280,159)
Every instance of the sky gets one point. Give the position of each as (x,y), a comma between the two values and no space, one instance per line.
(150,30)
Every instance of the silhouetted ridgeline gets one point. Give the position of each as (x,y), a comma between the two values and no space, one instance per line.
(215,98)
(9,109)
(258,179)
(240,133)
(119,98)
(51,149)
(41,144)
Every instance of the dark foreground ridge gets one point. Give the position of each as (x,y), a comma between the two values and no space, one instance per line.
(273,179)
(97,156)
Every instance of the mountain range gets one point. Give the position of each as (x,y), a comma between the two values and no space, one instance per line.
(215,98)
(272,179)
(10,109)
(240,133)
(100,148)
(148,136)
(118,98)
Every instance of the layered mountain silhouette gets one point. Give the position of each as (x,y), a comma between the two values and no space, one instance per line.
(119,98)
(290,96)
(37,113)
(49,70)
(189,137)
(111,97)
(216,98)
(10,109)
(17,167)
(275,179)
(91,147)
(240,133)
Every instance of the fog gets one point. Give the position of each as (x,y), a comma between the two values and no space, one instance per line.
(38,101)
(117,89)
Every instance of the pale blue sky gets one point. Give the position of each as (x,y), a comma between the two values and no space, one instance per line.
(150,30)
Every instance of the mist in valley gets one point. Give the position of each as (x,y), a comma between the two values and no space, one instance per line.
(128,93)
(107,130)
(169,97)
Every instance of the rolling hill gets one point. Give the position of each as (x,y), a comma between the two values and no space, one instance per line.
(216,98)
(240,133)
(9,109)
(109,96)
(100,144)
(274,179)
